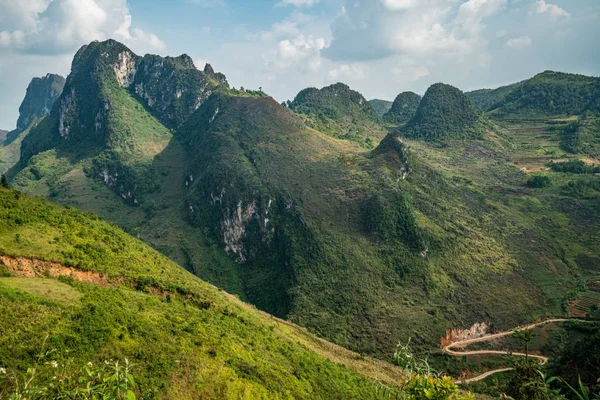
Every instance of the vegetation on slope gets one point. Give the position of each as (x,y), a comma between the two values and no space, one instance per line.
(340,112)
(381,106)
(116,298)
(551,93)
(403,109)
(444,113)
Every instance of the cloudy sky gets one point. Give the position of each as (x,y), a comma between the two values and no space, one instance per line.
(379,47)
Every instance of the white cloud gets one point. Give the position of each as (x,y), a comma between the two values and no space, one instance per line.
(60,26)
(396,5)
(297,52)
(541,7)
(345,71)
(519,43)
(297,3)
(410,73)
(366,29)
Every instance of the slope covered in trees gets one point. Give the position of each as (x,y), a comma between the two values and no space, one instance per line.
(403,109)
(339,111)
(444,113)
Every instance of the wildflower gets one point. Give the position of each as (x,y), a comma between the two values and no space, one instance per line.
(2,370)
(126,361)
(54,364)
(89,364)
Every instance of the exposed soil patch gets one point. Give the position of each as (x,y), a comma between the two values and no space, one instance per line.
(30,268)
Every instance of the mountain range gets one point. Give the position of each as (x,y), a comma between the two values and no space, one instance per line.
(365,224)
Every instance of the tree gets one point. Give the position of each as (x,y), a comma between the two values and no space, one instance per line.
(539,182)
(4,182)
(525,336)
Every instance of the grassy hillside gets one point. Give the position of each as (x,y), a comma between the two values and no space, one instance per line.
(340,112)
(88,292)
(381,106)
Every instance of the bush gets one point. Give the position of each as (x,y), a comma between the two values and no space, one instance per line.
(539,182)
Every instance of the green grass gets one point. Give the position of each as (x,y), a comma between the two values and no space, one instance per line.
(195,342)
(49,290)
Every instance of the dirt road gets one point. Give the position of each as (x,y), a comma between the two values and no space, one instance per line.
(463,343)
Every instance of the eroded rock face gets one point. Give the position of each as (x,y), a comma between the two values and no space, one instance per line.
(41,95)
(454,335)
(125,69)
(234,227)
(173,88)
(66,105)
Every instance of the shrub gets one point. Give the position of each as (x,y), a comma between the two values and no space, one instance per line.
(539,182)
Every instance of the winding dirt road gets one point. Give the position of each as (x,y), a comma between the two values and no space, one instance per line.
(463,343)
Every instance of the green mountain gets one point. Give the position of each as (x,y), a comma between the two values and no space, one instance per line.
(444,113)
(76,292)
(363,247)
(340,112)
(488,99)
(548,93)
(380,106)
(403,109)
(39,100)
(564,105)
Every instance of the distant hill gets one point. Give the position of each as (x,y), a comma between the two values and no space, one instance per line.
(403,109)
(550,93)
(444,113)
(381,106)
(37,104)
(488,99)
(39,100)
(339,111)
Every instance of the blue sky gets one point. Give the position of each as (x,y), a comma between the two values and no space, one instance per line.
(379,47)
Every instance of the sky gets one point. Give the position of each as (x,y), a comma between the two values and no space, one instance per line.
(378,47)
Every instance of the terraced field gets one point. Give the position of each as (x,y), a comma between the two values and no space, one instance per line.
(588,302)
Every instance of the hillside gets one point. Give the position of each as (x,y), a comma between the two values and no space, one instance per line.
(403,109)
(3,136)
(82,291)
(380,106)
(365,248)
(550,93)
(488,99)
(445,113)
(340,112)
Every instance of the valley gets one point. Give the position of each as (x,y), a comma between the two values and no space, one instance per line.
(364,226)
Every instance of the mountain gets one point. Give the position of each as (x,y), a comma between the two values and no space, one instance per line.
(548,93)
(444,113)
(76,292)
(563,105)
(39,100)
(41,95)
(403,109)
(380,106)
(340,112)
(487,99)
(365,247)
